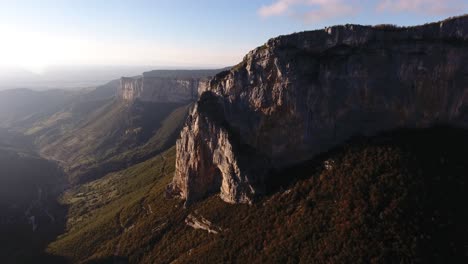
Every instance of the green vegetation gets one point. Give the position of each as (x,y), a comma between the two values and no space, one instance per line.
(156,141)
(108,215)
(92,133)
(92,138)
(397,197)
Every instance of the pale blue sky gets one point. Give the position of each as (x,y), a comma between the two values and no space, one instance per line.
(204,33)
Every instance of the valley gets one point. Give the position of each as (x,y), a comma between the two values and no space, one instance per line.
(59,158)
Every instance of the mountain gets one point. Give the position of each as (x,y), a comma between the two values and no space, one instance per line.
(302,94)
(342,145)
(350,160)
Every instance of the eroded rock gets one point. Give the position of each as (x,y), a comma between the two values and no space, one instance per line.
(199,222)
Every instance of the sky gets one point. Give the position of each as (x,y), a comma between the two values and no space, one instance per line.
(181,33)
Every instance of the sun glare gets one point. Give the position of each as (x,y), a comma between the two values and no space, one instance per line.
(36,51)
(32,51)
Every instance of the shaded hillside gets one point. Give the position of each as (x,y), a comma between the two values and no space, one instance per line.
(396,197)
(21,107)
(102,92)
(108,135)
(66,115)
(30,215)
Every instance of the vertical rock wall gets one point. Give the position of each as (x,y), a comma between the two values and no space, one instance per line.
(302,94)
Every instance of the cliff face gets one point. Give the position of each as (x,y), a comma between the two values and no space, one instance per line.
(168,86)
(301,94)
(156,89)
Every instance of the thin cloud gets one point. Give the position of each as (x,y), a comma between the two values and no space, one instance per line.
(316,10)
(277,9)
(433,7)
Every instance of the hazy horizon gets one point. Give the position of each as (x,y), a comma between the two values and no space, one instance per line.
(58,44)
(40,34)
(76,77)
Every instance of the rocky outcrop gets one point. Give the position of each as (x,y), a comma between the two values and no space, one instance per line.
(199,222)
(210,157)
(301,94)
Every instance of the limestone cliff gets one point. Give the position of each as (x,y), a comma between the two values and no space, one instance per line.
(304,93)
(153,89)
(165,85)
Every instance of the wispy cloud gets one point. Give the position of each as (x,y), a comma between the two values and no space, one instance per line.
(433,7)
(277,8)
(309,10)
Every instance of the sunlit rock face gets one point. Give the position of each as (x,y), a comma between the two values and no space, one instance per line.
(154,89)
(301,94)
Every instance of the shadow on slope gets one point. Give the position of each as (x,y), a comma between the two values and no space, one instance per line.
(395,197)
(113,136)
(31,216)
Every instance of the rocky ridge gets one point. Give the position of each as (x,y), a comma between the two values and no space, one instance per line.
(301,94)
